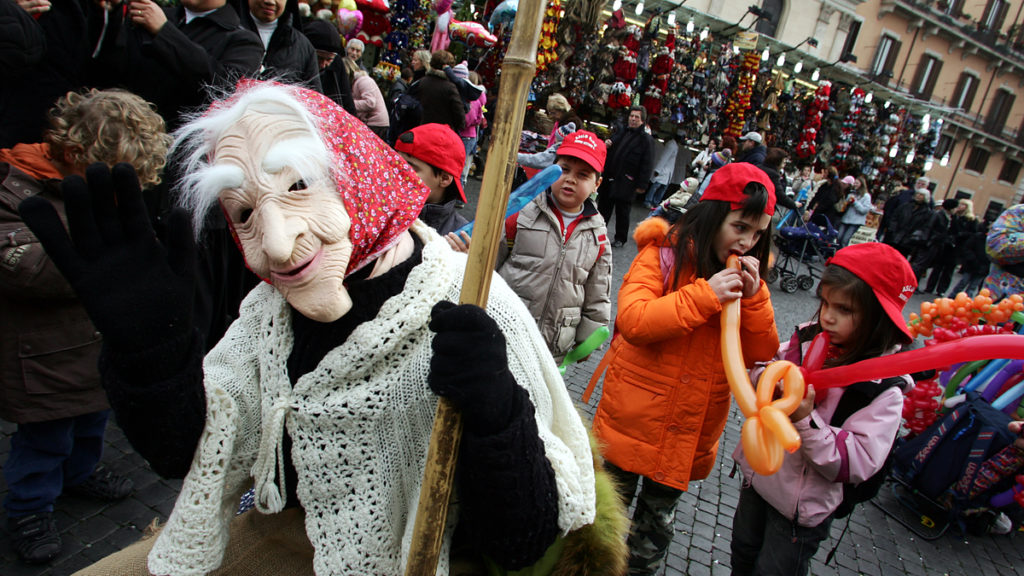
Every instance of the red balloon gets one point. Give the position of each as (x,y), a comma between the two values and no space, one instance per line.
(942,354)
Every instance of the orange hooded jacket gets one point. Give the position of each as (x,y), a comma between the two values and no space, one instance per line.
(665,398)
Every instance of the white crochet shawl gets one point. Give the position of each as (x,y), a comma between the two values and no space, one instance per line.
(359,423)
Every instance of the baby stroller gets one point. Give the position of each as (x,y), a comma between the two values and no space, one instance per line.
(808,244)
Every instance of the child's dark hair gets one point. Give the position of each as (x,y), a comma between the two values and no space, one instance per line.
(692,236)
(452,191)
(875,333)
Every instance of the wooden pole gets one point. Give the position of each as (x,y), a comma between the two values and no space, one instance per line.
(517,72)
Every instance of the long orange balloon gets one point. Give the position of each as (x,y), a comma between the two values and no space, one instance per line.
(768,430)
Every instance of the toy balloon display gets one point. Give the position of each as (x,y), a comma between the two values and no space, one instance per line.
(441,39)
(349,22)
(994,386)
(503,14)
(472,33)
(767,430)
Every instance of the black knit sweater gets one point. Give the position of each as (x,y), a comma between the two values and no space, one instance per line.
(506,486)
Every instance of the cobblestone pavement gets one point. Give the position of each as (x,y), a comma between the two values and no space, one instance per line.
(875,543)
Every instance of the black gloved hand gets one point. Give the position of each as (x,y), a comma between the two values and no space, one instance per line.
(137,292)
(470,366)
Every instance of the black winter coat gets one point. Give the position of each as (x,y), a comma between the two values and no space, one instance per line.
(28,92)
(173,68)
(440,100)
(290,56)
(336,86)
(630,163)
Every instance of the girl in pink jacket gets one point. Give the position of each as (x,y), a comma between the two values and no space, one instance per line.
(846,433)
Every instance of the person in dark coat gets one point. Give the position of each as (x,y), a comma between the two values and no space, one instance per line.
(438,96)
(333,77)
(974,262)
(823,205)
(936,239)
(44,55)
(905,196)
(49,380)
(289,56)
(399,86)
(908,229)
(752,149)
(948,256)
(170,55)
(626,172)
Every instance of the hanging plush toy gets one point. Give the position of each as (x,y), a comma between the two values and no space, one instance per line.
(441,39)
(376,24)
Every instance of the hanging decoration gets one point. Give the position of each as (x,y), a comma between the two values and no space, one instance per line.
(806,147)
(736,107)
(547,45)
(376,24)
(848,129)
(349,19)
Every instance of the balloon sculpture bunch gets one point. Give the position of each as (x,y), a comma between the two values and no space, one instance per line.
(951,318)
(767,431)
(1015,494)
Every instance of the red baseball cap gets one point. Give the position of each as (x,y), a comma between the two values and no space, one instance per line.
(886,271)
(587,147)
(728,182)
(437,145)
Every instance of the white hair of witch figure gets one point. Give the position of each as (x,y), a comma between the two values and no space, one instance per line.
(321,395)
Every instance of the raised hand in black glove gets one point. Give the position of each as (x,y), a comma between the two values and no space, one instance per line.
(470,366)
(137,292)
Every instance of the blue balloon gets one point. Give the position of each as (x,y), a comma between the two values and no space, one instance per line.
(521,196)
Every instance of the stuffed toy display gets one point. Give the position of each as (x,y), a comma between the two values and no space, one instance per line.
(321,395)
(376,24)
(441,38)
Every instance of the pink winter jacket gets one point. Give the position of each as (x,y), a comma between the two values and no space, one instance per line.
(809,486)
(474,118)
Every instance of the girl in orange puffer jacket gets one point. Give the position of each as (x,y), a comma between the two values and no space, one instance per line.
(665,398)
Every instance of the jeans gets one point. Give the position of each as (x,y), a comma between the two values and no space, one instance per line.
(654,193)
(653,519)
(47,456)
(766,543)
(846,231)
(470,144)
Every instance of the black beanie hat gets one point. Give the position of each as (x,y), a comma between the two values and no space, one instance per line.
(323,35)
(950,203)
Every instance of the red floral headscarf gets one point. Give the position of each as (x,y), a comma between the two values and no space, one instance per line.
(381,192)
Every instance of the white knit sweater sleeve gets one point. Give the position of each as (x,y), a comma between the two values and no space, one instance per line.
(196,533)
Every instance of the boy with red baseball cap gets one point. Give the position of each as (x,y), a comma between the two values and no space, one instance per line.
(437,155)
(556,236)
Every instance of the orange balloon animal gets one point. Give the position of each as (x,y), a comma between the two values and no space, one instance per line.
(768,430)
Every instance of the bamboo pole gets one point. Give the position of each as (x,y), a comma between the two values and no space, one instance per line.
(517,72)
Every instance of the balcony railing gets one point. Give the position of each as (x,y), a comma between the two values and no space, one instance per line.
(964,27)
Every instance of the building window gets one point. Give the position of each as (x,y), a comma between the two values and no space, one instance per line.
(927,73)
(885,59)
(994,209)
(952,8)
(768,26)
(995,15)
(851,38)
(999,111)
(944,147)
(966,88)
(977,160)
(1010,171)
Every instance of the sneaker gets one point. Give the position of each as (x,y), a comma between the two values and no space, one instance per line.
(103,484)
(34,537)
(1001,525)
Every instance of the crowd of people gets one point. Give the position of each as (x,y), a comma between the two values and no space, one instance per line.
(257,277)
